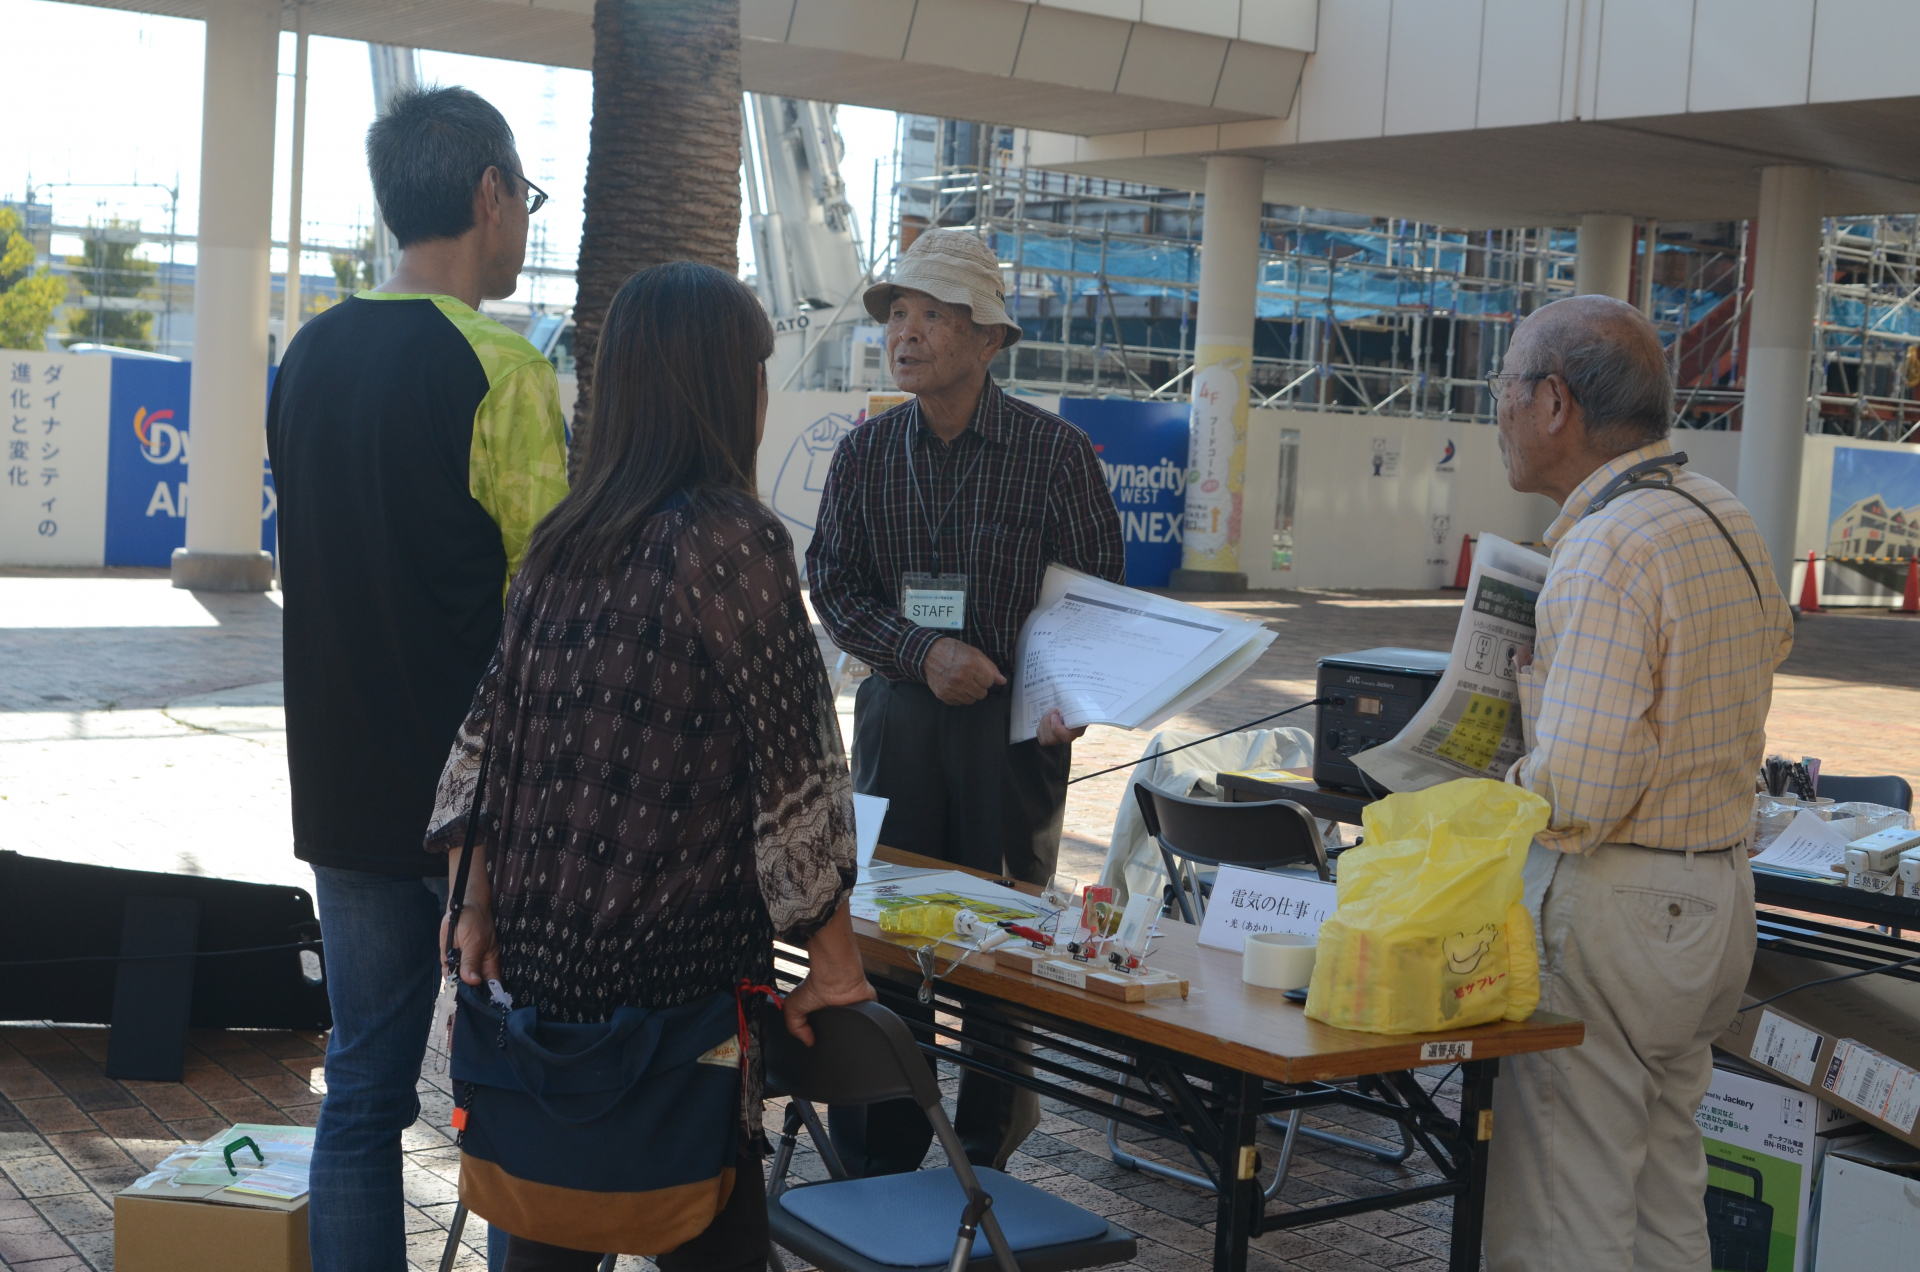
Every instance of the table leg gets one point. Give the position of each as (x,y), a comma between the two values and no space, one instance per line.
(1240,1199)
(1476,1132)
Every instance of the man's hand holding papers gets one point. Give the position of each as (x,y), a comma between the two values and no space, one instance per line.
(1097,653)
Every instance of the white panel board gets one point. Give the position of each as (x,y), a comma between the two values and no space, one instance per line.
(1207,17)
(1433,66)
(1520,44)
(1290,24)
(53,473)
(1865,48)
(1071,49)
(1173,66)
(802,430)
(873,28)
(1343,91)
(982,36)
(1644,51)
(1353,529)
(1749,53)
(1260,79)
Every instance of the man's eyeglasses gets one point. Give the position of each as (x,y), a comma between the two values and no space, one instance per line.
(536,197)
(1498,381)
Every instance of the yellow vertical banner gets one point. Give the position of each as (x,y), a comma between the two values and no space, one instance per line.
(1216,457)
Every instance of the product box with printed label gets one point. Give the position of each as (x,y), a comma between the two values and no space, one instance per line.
(1762,1144)
(237,1199)
(1866,1206)
(1855,1045)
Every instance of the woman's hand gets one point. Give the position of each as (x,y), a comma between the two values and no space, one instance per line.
(479,956)
(835,978)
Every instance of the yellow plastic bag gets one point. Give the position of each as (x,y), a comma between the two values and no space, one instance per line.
(1429,933)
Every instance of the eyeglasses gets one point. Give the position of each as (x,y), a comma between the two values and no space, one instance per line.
(536,197)
(1498,381)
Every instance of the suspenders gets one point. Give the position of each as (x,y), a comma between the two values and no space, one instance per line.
(1657,474)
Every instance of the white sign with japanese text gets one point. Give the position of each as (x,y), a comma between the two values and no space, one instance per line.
(53,472)
(1246,901)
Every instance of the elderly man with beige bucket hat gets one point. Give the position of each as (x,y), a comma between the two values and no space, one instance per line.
(937,523)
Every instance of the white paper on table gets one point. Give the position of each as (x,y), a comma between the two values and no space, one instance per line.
(1246,901)
(1470,725)
(1807,846)
(865,902)
(1100,653)
(869,814)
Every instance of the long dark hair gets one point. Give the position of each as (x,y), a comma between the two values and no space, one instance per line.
(676,383)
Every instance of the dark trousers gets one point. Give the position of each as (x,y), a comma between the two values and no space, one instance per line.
(736,1240)
(958,792)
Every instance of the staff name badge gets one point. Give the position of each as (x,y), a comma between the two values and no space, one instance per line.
(935,600)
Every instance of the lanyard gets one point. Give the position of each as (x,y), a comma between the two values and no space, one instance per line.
(1657,474)
(913,479)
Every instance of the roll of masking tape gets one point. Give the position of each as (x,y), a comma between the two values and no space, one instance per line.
(1278,960)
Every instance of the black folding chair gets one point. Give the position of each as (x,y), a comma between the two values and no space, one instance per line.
(1889,790)
(1206,832)
(900,1223)
(1262,836)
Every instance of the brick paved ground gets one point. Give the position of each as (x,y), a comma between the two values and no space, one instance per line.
(140,726)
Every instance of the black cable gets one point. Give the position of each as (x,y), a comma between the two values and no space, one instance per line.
(1317,702)
(1871,971)
(142,958)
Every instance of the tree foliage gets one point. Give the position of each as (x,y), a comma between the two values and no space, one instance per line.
(28,296)
(108,268)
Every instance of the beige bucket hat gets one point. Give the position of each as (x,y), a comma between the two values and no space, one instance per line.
(954,266)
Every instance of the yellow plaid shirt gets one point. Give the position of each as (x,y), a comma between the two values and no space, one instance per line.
(1645,708)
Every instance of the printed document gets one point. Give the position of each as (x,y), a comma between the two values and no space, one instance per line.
(1106,654)
(1808,846)
(1470,726)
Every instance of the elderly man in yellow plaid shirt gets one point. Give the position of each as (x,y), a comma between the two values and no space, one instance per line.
(1645,710)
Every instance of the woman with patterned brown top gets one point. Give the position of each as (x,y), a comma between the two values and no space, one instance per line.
(666,790)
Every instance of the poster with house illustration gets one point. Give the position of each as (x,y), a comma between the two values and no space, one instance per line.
(1873,511)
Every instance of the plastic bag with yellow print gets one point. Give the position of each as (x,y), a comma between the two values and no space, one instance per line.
(1429,933)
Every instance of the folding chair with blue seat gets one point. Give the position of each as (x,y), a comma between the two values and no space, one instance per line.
(1258,836)
(957,1218)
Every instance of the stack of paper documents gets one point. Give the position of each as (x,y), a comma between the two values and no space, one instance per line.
(1106,654)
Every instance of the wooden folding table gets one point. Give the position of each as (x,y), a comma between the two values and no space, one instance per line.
(1214,1062)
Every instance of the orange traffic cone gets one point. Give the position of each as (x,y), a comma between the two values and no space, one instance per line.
(1464,573)
(1810,589)
(1912,604)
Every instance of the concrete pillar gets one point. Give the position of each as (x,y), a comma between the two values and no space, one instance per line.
(1603,261)
(232,277)
(1785,243)
(1222,366)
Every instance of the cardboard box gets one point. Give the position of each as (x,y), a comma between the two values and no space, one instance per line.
(169,1229)
(1855,1045)
(1868,1207)
(1763,1144)
(187,1216)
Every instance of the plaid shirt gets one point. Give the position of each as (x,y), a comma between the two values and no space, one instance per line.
(1026,491)
(1646,706)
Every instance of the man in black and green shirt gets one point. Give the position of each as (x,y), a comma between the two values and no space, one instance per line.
(415,445)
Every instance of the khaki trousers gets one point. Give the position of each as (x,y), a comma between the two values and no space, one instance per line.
(1596,1160)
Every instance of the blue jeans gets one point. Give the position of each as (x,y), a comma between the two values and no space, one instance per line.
(382,935)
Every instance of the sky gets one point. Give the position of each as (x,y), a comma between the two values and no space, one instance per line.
(85,129)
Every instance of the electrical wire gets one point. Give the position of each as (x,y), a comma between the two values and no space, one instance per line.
(1317,702)
(1829,980)
(146,958)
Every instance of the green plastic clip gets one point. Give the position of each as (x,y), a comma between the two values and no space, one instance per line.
(243,1142)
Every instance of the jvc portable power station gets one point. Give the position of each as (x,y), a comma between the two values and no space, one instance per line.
(1374,693)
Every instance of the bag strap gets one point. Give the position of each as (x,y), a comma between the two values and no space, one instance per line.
(457,898)
(1657,474)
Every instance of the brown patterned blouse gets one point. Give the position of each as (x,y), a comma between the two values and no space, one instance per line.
(666,792)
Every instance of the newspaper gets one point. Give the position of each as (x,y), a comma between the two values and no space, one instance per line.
(1470,725)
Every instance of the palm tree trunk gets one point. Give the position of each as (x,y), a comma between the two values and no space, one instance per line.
(663,166)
